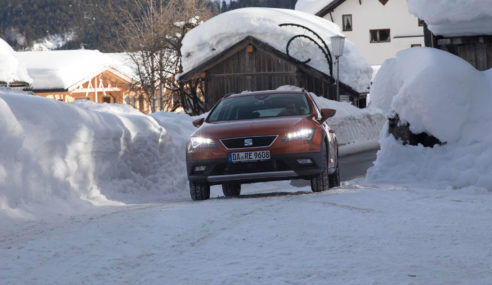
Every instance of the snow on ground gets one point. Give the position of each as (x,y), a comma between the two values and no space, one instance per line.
(443,95)
(223,31)
(10,68)
(454,18)
(312,6)
(352,235)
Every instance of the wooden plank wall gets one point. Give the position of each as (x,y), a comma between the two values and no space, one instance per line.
(476,50)
(259,70)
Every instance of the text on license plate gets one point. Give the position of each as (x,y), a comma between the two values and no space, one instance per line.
(249,156)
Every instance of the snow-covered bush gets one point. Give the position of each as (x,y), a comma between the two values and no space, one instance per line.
(52,151)
(444,96)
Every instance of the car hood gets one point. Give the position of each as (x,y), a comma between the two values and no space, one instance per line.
(254,127)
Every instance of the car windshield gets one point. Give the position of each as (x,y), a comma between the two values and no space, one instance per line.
(260,106)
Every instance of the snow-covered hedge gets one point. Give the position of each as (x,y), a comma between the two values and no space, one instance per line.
(444,96)
(53,152)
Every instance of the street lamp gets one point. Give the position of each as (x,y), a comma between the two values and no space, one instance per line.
(337,44)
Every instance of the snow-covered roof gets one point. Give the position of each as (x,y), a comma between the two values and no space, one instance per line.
(454,18)
(312,6)
(11,69)
(62,69)
(223,31)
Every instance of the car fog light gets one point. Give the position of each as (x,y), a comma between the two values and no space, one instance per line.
(305,161)
(200,168)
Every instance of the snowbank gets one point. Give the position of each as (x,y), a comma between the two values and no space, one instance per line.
(223,31)
(443,95)
(10,68)
(454,18)
(312,6)
(357,129)
(53,153)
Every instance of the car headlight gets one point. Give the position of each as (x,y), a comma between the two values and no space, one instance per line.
(302,134)
(200,142)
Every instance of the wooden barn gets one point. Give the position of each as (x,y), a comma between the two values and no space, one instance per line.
(254,65)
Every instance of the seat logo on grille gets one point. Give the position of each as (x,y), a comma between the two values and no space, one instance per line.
(248,142)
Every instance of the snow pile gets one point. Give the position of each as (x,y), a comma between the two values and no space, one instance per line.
(442,95)
(10,68)
(454,18)
(356,129)
(53,154)
(62,69)
(223,31)
(312,6)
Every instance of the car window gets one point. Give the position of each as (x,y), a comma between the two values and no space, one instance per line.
(260,106)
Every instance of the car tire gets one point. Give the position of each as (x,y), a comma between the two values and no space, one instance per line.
(199,191)
(335,178)
(321,182)
(231,189)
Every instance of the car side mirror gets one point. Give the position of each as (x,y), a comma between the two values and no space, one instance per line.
(197,123)
(326,114)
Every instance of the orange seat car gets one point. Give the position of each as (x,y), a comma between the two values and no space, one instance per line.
(262,136)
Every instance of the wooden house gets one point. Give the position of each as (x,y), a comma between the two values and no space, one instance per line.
(254,65)
(71,75)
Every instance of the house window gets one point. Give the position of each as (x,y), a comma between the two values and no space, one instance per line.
(347,23)
(421,23)
(380,36)
(415,45)
(107,100)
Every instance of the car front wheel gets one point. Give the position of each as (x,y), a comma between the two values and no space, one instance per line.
(199,191)
(231,189)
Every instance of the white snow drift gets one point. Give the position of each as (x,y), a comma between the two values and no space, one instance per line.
(223,31)
(10,68)
(51,151)
(454,18)
(442,95)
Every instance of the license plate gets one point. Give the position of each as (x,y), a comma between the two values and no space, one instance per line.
(249,156)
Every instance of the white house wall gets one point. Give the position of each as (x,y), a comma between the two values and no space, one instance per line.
(372,15)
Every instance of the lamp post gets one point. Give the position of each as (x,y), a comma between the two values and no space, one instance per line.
(337,45)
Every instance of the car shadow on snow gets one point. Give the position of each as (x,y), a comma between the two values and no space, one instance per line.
(266,195)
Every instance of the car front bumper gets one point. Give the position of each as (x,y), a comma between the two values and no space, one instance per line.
(279,167)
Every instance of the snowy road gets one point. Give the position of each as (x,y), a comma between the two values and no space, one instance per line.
(352,235)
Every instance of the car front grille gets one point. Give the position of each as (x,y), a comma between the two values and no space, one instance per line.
(249,142)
